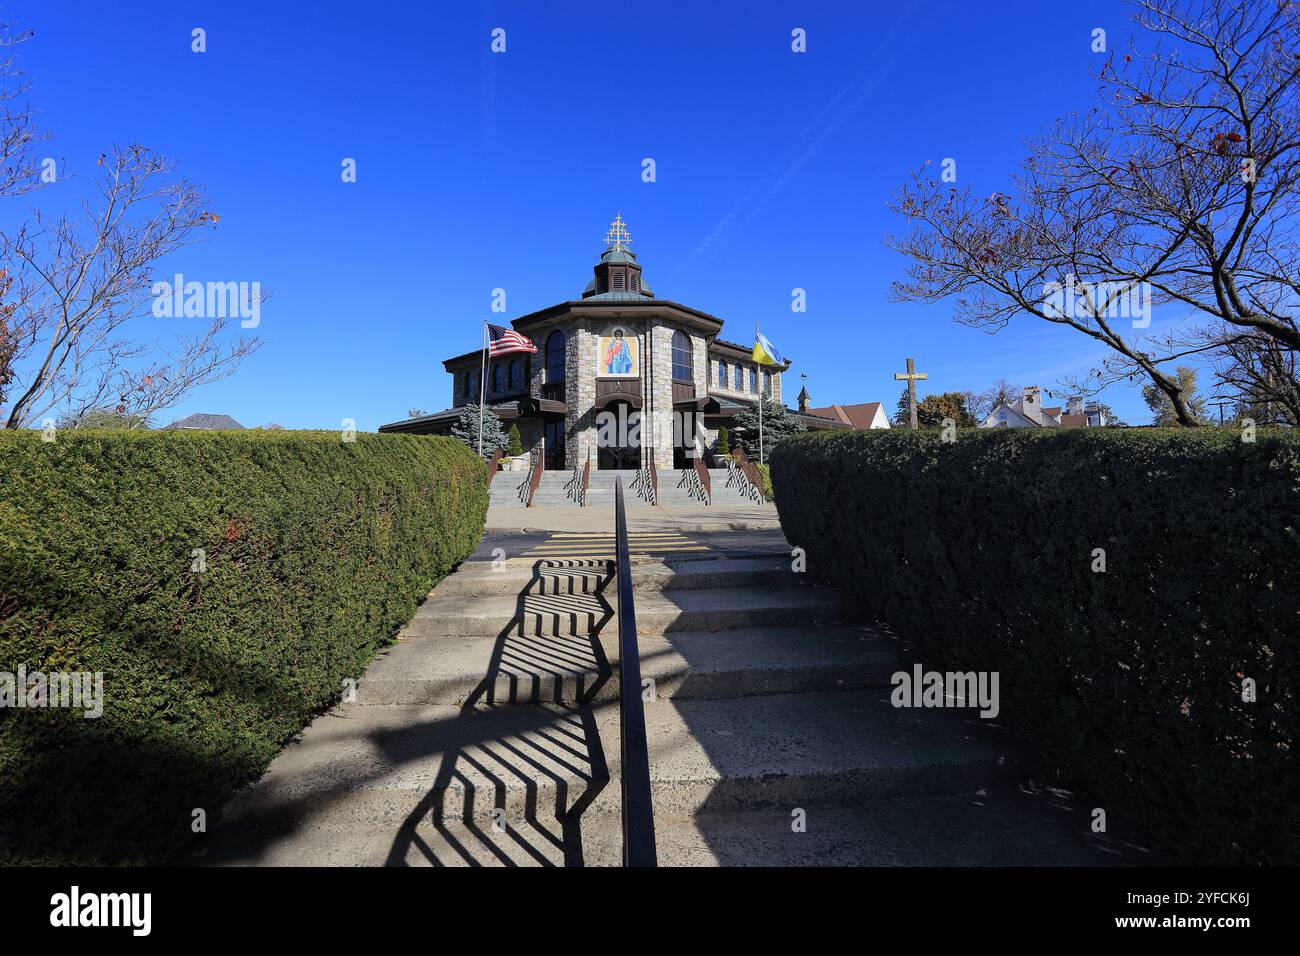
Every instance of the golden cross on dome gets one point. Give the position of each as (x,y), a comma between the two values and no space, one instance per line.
(617,235)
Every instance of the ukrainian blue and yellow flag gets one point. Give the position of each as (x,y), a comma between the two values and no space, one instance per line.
(765,352)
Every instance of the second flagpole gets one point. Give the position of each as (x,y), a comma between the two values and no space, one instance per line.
(482,388)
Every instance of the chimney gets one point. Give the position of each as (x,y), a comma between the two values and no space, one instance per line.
(1033,396)
(1076,405)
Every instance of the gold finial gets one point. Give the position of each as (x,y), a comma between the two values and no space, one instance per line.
(617,235)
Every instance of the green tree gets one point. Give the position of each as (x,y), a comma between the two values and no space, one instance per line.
(933,409)
(514,447)
(1163,409)
(723,446)
(466,429)
(778,424)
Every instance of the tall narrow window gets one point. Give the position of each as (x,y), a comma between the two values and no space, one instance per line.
(516,375)
(618,282)
(722,374)
(498,378)
(767,382)
(753,379)
(636,282)
(683,358)
(555,357)
(471,385)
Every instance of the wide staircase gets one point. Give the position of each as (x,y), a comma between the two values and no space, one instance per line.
(489,735)
(676,487)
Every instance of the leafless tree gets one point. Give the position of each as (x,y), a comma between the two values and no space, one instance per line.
(996,395)
(72,284)
(1185,181)
(79,281)
(19,167)
(1260,374)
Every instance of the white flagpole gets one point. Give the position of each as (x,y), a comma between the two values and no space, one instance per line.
(762,380)
(482,389)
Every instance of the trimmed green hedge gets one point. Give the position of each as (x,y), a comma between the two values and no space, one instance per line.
(317,550)
(1129,681)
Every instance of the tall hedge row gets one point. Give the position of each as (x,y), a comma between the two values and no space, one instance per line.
(225,584)
(987,553)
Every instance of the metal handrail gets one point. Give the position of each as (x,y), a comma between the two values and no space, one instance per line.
(586,480)
(703,474)
(738,479)
(749,468)
(638,805)
(534,479)
(492,465)
(573,487)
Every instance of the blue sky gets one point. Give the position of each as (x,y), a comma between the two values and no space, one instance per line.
(478,170)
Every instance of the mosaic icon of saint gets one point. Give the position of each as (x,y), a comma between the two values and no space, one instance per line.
(618,360)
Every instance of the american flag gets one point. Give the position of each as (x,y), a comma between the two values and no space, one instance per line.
(504,341)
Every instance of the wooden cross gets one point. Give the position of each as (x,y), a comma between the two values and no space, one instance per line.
(912,376)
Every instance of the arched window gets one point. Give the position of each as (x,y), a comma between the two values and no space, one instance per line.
(722,374)
(498,378)
(683,358)
(516,375)
(767,382)
(471,385)
(555,357)
(636,282)
(618,282)
(753,379)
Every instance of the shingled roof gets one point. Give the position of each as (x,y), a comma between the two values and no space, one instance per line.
(202,421)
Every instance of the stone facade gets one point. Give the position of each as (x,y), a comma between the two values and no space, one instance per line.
(619,297)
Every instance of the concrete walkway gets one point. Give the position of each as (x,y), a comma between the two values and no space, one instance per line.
(685,518)
(489,733)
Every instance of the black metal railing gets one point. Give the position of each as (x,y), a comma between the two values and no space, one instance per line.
(638,806)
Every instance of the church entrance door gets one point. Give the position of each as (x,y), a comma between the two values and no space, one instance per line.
(553,445)
(618,438)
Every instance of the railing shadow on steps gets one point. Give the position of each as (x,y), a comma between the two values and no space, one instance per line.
(549,682)
(693,486)
(643,486)
(738,478)
(750,471)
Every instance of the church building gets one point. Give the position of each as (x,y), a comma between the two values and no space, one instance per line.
(617,373)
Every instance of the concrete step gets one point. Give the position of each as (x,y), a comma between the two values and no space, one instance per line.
(656,613)
(683,665)
(396,764)
(542,576)
(1006,827)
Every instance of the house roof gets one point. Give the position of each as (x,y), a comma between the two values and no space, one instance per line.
(206,422)
(860,416)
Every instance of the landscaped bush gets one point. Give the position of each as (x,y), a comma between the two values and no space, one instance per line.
(225,584)
(1129,681)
